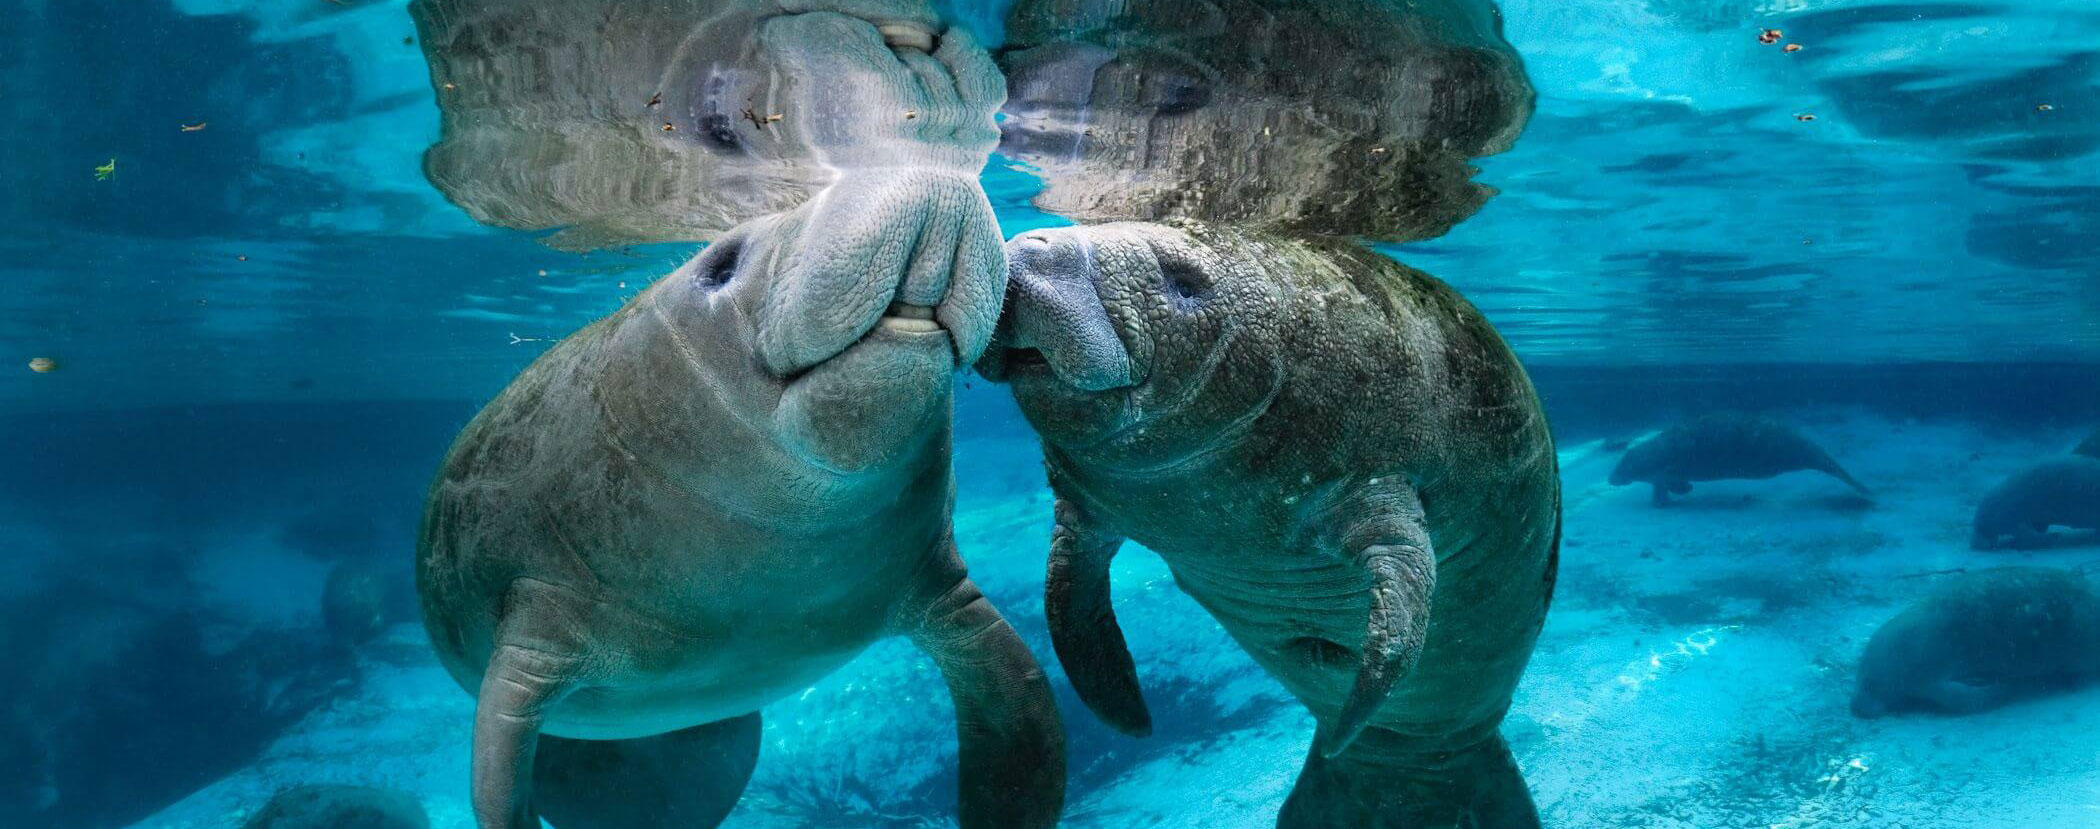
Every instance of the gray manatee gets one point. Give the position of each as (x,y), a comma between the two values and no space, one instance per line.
(340,807)
(1981,640)
(719,494)
(1337,457)
(1338,117)
(2064,492)
(1722,446)
(616,122)
(2090,447)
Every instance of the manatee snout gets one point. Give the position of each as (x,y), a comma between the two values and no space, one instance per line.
(1866,706)
(1054,309)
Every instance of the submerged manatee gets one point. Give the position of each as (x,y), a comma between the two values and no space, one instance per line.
(741,479)
(1981,640)
(1338,458)
(2064,492)
(1338,117)
(618,122)
(2090,447)
(340,807)
(1723,446)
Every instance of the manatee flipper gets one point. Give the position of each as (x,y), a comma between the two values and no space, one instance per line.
(535,661)
(1380,784)
(1387,535)
(1011,742)
(1083,627)
(689,778)
(1953,696)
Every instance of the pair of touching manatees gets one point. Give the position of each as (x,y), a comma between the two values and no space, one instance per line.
(1335,454)
(740,479)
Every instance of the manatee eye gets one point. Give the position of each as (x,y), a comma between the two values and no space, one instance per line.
(719,131)
(1182,97)
(721,265)
(1184,282)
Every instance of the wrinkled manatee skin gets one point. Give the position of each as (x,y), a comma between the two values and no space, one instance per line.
(340,807)
(2064,492)
(1341,117)
(1981,640)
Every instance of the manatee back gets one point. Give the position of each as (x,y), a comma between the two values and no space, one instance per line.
(2004,625)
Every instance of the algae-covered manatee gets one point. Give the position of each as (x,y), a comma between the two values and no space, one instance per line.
(1337,457)
(1981,640)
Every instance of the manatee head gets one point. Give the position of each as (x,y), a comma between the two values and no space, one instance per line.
(1646,461)
(838,326)
(1352,117)
(1140,344)
(615,122)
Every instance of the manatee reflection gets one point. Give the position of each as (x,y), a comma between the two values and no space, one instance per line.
(1351,117)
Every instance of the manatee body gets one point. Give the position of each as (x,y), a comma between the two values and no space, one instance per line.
(2090,447)
(1341,117)
(1337,457)
(1723,446)
(739,480)
(2064,492)
(1981,640)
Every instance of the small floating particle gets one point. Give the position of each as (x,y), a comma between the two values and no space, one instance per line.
(669,127)
(1805,117)
(623,285)
(1792,47)
(1770,36)
(656,100)
(2043,107)
(43,365)
(1378,150)
(107,171)
(543,271)
(408,41)
(449,85)
(196,127)
(774,117)
(241,258)
(910,114)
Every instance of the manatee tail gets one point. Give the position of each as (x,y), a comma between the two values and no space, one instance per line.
(690,778)
(1831,468)
(1380,784)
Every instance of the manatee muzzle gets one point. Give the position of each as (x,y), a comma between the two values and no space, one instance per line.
(1055,311)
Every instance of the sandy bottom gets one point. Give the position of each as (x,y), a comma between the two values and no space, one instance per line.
(1694,672)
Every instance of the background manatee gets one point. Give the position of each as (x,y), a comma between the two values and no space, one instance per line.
(1336,456)
(1723,446)
(2064,492)
(1351,117)
(617,122)
(1981,640)
(2090,447)
(339,807)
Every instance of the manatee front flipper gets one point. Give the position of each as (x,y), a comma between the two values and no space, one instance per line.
(537,657)
(1083,627)
(689,779)
(1012,744)
(1384,532)
(1381,782)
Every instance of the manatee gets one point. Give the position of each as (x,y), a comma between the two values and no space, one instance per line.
(1723,446)
(355,606)
(2064,492)
(1336,456)
(613,122)
(1981,640)
(1340,117)
(2090,447)
(739,480)
(340,807)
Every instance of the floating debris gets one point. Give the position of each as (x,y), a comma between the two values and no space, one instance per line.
(241,258)
(449,85)
(543,271)
(1792,47)
(669,127)
(2043,107)
(1377,150)
(196,127)
(106,171)
(1805,117)
(1770,36)
(910,114)
(43,365)
(408,41)
(656,100)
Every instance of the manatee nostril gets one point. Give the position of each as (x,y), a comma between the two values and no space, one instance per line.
(721,266)
(908,36)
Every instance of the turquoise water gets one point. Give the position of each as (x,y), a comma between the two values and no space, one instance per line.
(267,329)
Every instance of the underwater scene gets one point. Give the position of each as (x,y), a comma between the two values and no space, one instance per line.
(1024,413)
